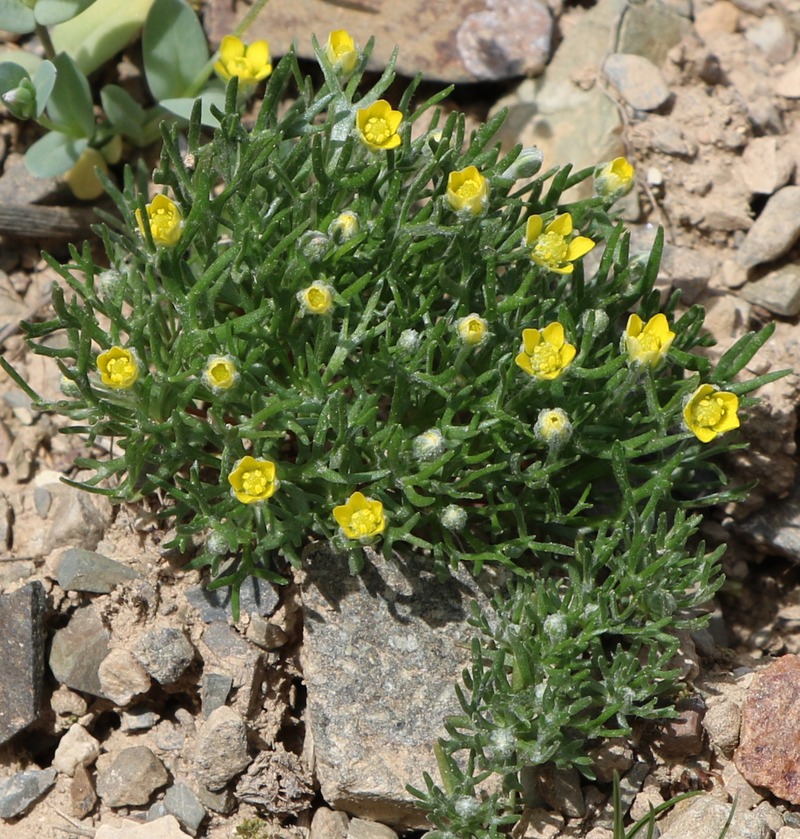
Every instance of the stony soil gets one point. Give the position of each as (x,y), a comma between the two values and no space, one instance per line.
(713,133)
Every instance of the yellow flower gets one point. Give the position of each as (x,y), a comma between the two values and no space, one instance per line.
(165,220)
(253,480)
(468,191)
(709,412)
(220,373)
(360,518)
(553,246)
(342,52)
(344,226)
(472,329)
(118,368)
(317,299)
(377,126)
(553,427)
(614,179)
(646,344)
(545,354)
(250,63)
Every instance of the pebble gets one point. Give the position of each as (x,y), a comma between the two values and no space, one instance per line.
(722,722)
(614,755)
(76,748)
(705,818)
(221,749)
(78,650)
(774,231)
(638,81)
(82,793)
(214,690)
(652,30)
(6,518)
(221,801)
(773,37)
(74,518)
(738,788)
(166,827)
(560,789)
(364,829)
(65,702)
(788,83)
(682,736)
(122,677)
(22,645)
(777,292)
(182,803)
(225,651)
(328,824)
(138,719)
(23,789)
(130,777)
(165,654)
(766,165)
(81,570)
(769,751)
(689,270)
(719,17)
(264,634)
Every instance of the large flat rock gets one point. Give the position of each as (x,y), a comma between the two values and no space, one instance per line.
(381,654)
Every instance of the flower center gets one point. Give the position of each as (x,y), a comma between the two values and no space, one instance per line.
(469,189)
(363,523)
(550,249)
(317,299)
(649,343)
(161,222)
(545,359)
(709,411)
(254,482)
(377,130)
(119,370)
(220,374)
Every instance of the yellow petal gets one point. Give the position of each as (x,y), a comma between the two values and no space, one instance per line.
(579,247)
(553,333)
(566,355)
(523,360)
(231,48)
(258,53)
(533,229)
(634,326)
(658,327)
(530,340)
(561,224)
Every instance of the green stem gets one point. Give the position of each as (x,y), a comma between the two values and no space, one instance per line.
(44,37)
(247,20)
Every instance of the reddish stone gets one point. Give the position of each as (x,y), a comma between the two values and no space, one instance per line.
(769,751)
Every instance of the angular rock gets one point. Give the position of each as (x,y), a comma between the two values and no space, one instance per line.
(76,748)
(428,34)
(81,570)
(773,37)
(23,789)
(225,651)
(138,719)
(167,827)
(130,778)
(721,16)
(256,597)
(682,736)
(22,643)
(6,518)
(165,654)
(122,677)
(774,231)
(777,292)
(182,803)
(705,818)
(651,29)
(363,829)
(397,623)
(82,793)
(78,650)
(221,748)
(268,636)
(722,723)
(329,824)
(769,750)
(613,755)
(766,165)
(689,270)
(74,518)
(638,81)
(560,789)
(214,690)
(777,526)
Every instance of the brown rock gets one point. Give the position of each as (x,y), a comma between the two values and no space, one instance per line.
(81,793)
(683,736)
(769,752)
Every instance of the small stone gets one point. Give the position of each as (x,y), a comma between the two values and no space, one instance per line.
(165,654)
(363,829)
(278,782)
(6,519)
(689,270)
(774,231)
(614,755)
(76,748)
(705,818)
(256,597)
(766,165)
(42,499)
(651,30)
(666,137)
(66,703)
(721,16)
(560,789)
(225,651)
(788,83)
(682,736)
(78,650)
(722,722)
(130,778)
(773,37)
(638,81)
(769,751)
(122,677)
(732,274)
(138,719)
(648,799)
(264,634)
(214,690)
(22,643)
(166,827)
(543,824)
(221,749)
(74,518)
(81,792)
(328,824)
(182,803)
(23,789)
(777,292)
(81,570)
(221,801)
(788,833)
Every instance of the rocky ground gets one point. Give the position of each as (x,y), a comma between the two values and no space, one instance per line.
(132,705)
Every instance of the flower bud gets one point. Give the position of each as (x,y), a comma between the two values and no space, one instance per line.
(526,165)
(553,427)
(472,330)
(409,341)
(344,226)
(217,543)
(614,179)
(429,445)
(21,100)
(314,245)
(453,517)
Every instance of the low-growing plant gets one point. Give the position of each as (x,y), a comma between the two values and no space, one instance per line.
(77,37)
(354,322)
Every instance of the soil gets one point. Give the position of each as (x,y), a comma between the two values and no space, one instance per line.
(697,194)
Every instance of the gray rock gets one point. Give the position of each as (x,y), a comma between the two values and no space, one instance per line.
(777,526)
(629,787)
(138,719)
(256,597)
(225,651)
(363,829)
(78,650)
(221,748)
(81,570)
(560,789)
(42,499)
(638,81)
(397,623)
(182,803)
(722,722)
(705,817)
(777,292)
(329,824)
(221,801)
(689,270)
(264,634)
(773,37)
(766,165)
(22,789)
(214,690)
(122,677)
(130,778)
(165,654)
(22,642)
(775,231)
(652,30)
(6,518)
(74,518)
(83,797)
